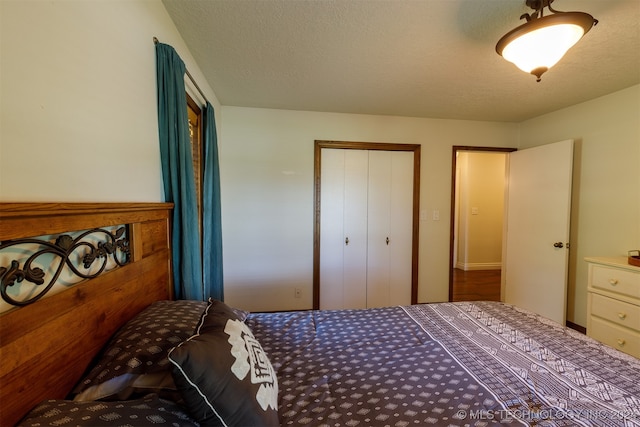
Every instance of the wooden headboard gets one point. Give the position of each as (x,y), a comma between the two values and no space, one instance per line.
(46,346)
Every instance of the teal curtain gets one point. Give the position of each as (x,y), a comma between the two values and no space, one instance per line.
(177,173)
(211,210)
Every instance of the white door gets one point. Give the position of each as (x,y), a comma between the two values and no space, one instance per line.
(355,237)
(535,267)
(332,230)
(343,255)
(366,232)
(390,228)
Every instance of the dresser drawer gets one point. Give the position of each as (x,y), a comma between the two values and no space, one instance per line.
(623,282)
(617,337)
(619,312)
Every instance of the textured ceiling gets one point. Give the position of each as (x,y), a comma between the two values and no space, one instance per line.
(416,58)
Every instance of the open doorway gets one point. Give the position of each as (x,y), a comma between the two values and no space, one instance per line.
(477,208)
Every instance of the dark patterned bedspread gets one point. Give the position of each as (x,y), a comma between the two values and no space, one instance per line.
(446,364)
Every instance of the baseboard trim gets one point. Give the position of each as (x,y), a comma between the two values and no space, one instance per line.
(576,327)
(472,266)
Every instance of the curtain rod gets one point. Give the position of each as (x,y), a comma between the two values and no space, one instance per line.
(156,41)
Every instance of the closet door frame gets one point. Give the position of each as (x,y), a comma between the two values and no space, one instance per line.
(351,145)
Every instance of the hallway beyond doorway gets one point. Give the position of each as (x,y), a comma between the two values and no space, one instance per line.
(476,285)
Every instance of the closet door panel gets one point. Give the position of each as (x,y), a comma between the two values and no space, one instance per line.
(366,228)
(378,260)
(355,229)
(332,229)
(401,228)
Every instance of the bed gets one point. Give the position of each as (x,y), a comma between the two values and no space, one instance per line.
(116,349)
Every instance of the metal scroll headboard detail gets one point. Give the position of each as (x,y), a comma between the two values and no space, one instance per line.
(111,245)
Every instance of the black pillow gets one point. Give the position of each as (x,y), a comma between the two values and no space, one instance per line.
(222,373)
(135,358)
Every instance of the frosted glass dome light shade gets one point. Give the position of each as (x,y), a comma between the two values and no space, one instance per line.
(539,44)
(543,47)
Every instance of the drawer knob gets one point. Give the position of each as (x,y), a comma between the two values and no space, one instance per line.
(621,342)
(622,316)
(613,282)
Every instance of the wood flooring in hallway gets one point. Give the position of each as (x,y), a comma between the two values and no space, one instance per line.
(476,285)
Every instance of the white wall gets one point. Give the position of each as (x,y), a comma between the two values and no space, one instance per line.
(267,185)
(78,117)
(606,192)
(267,195)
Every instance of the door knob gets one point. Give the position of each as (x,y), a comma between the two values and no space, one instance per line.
(558,245)
(346,241)
(387,241)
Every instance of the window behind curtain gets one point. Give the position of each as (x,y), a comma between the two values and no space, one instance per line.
(195,131)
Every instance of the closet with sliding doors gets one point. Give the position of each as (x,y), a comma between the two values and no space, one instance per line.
(366,224)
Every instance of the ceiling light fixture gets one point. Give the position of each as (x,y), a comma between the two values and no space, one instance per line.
(542,41)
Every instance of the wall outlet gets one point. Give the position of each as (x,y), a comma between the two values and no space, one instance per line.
(297,292)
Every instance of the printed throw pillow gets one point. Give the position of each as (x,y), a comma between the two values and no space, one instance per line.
(136,356)
(222,373)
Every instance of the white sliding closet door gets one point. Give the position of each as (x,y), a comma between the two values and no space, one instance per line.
(390,228)
(343,256)
(355,229)
(366,198)
(331,218)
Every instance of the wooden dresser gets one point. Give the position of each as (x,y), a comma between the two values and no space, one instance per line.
(613,303)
